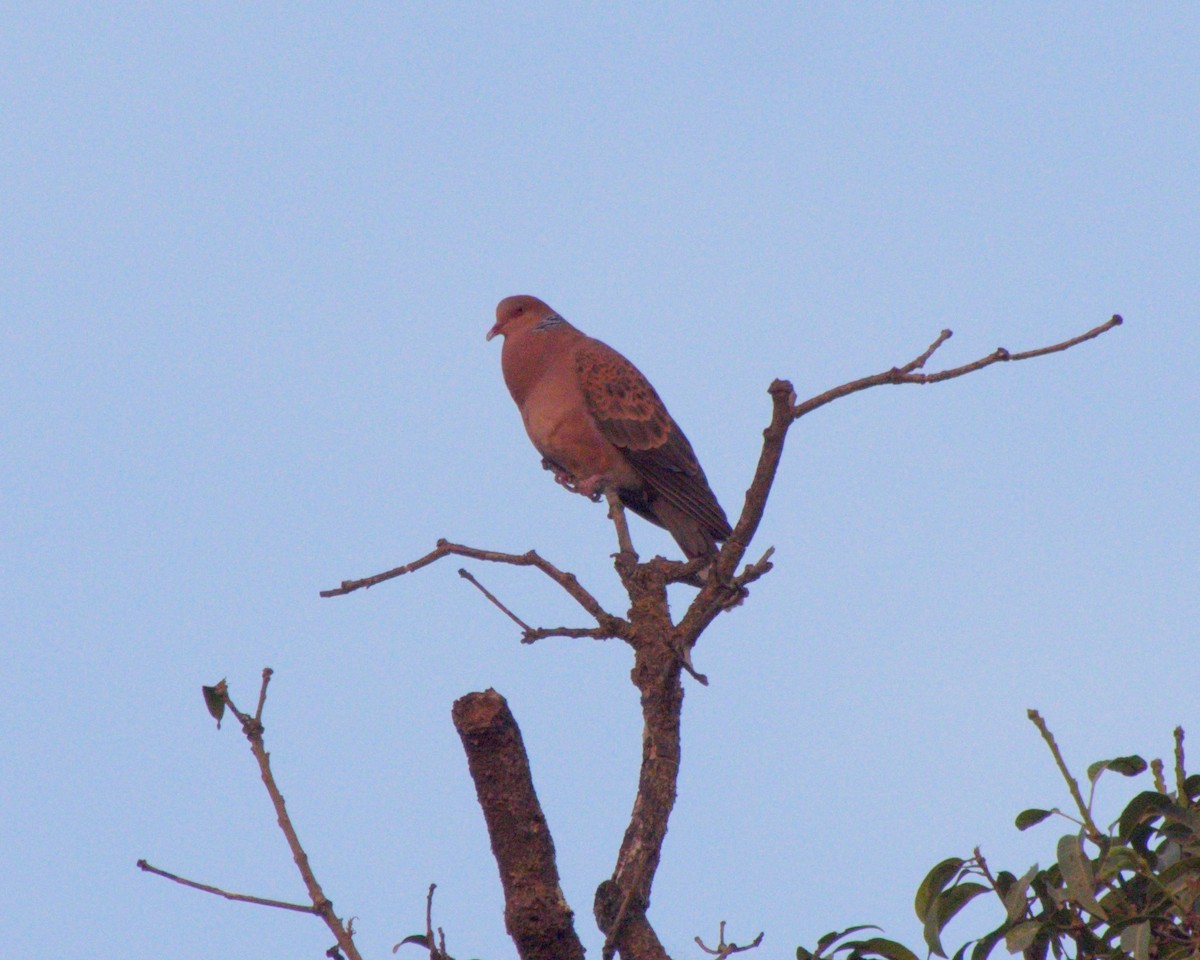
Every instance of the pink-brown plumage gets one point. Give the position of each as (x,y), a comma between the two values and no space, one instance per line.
(598,423)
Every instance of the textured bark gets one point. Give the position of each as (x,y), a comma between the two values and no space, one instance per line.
(535,912)
(621,902)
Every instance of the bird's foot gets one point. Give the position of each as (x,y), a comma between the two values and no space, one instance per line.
(590,488)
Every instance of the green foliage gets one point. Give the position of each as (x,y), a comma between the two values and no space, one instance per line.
(1131,891)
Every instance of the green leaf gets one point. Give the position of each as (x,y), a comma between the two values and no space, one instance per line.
(834,936)
(1022,935)
(1015,898)
(1149,804)
(418,938)
(1139,840)
(879,947)
(1077,874)
(214,700)
(1180,875)
(943,909)
(954,899)
(935,881)
(1191,786)
(1004,881)
(1129,766)
(802,954)
(1027,818)
(1135,940)
(985,945)
(1116,860)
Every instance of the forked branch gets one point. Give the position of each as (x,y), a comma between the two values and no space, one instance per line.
(661,647)
(786,411)
(607,623)
(218,700)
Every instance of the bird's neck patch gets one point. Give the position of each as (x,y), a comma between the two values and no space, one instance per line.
(550,322)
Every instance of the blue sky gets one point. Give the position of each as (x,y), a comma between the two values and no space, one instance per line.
(251,253)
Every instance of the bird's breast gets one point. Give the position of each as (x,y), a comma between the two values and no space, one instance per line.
(561,427)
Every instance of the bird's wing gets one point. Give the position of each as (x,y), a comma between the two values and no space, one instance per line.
(631,416)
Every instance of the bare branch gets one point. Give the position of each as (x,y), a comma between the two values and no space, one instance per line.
(262,695)
(535,912)
(1180,771)
(722,590)
(466,575)
(240,897)
(252,728)
(534,634)
(616,513)
(1093,831)
(909,372)
(444,548)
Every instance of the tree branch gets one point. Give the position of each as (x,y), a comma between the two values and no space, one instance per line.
(252,728)
(718,593)
(535,912)
(661,652)
(240,897)
(621,902)
(568,581)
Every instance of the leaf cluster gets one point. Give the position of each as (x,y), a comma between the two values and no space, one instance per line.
(1129,891)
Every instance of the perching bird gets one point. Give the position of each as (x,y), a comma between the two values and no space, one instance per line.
(599,424)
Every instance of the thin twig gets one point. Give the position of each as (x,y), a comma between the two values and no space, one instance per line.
(723,949)
(1072,785)
(444,548)
(616,513)
(429,941)
(909,372)
(533,634)
(252,728)
(983,867)
(466,575)
(919,362)
(262,693)
(240,897)
(1180,772)
(1115,321)
(1156,771)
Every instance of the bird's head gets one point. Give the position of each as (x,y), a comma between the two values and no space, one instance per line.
(520,313)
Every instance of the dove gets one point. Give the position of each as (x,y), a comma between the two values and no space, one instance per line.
(600,426)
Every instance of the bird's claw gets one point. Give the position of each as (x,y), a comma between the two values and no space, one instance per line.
(592,487)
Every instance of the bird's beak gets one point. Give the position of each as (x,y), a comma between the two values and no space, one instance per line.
(491,333)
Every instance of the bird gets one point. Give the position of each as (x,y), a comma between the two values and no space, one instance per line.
(601,427)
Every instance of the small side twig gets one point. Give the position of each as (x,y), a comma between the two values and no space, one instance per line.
(533,634)
(1090,825)
(469,577)
(217,891)
(1180,771)
(252,729)
(616,513)
(567,581)
(429,916)
(1156,771)
(724,949)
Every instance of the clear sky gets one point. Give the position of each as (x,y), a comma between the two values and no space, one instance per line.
(250,255)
